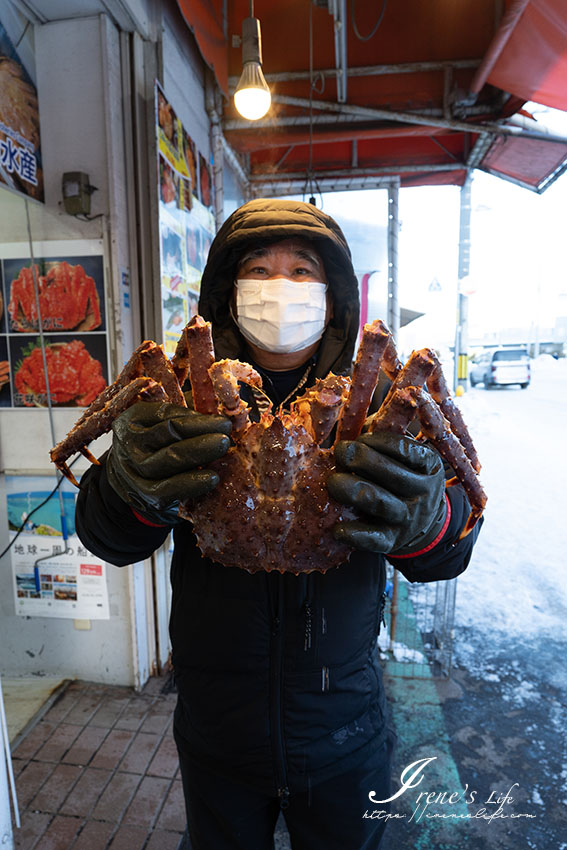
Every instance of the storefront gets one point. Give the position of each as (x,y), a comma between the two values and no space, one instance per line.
(114,107)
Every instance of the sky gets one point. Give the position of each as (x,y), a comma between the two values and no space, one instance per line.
(518,269)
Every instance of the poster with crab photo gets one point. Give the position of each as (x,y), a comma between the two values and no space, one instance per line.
(5,394)
(76,368)
(73,319)
(71,294)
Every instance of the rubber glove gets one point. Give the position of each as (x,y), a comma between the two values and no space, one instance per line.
(159,456)
(397,485)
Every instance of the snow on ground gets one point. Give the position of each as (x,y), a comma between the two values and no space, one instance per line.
(516,582)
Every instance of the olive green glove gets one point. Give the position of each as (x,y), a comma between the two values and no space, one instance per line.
(159,456)
(398,487)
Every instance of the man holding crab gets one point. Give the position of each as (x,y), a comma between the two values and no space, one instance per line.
(281,705)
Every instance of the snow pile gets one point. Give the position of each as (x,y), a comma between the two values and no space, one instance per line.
(515,584)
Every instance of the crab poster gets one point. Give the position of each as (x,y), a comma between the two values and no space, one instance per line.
(186,219)
(20,153)
(70,305)
(51,578)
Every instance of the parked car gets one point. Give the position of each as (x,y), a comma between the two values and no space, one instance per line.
(500,367)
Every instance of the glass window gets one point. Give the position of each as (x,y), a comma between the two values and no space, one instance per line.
(512,354)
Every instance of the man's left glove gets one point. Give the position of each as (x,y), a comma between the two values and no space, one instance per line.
(397,485)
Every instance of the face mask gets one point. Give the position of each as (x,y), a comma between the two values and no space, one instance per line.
(280,315)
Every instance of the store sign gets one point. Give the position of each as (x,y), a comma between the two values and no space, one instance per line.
(186,219)
(20,153)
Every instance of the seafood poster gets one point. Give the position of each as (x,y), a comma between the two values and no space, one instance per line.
(73,319)
(48,583)
(186,219)
(20,152)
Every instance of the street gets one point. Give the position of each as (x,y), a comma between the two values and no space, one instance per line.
(503,711)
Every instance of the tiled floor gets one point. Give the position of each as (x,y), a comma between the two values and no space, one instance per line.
(100,770)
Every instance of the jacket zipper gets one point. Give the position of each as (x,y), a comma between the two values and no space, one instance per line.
(308,612)
(277,698)
(381,611)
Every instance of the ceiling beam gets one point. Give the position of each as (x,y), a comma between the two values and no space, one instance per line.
(378,171)
(413,118)
(278,185)
(273,122)
(367,71)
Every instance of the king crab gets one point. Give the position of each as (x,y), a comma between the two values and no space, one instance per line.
(272,510)
(67,296)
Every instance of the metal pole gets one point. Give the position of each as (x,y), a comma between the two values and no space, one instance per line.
(394,325)
(460,366)
(393,229)
(6,783)
(365,71)
(417,118)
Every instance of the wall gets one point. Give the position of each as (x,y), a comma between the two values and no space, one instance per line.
(79,92)
(95,68)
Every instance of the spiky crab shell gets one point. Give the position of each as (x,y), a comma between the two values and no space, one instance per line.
(272,510)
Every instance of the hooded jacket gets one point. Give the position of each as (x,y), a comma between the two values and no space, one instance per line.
(278,679)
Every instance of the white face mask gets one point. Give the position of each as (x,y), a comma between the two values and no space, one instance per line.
(281,315)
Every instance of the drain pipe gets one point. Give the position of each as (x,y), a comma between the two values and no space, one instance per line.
(498,43)
(212,104)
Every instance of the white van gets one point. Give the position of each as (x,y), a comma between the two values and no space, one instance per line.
(500,367)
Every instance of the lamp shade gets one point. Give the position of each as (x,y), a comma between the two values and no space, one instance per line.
(252,97)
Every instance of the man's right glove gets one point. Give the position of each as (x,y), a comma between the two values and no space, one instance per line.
(159,456)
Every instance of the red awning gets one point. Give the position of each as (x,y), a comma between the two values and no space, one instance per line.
(205,20)
(526,161)
(533,62)
(417,105)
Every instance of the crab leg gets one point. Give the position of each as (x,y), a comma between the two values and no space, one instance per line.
(375,339)
(158,367)
(396,414)
(437,429)
(439,391)
(391,363)
(201,356)
(319,407)
(180,359)
(415,372)
(132,369)
(86,430)
(225,375)
(148,356)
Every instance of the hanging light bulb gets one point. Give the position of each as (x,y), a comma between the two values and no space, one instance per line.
(252,97)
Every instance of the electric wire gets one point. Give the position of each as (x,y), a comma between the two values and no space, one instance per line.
(31,513)
(374,28)
(310,166)
(46,374)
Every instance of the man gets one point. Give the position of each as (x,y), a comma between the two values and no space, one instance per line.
(281,705)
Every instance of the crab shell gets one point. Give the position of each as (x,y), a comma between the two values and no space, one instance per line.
(272,510)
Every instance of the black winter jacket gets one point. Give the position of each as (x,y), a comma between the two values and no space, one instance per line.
(279,685)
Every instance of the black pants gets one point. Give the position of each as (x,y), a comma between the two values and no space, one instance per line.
(222,815)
